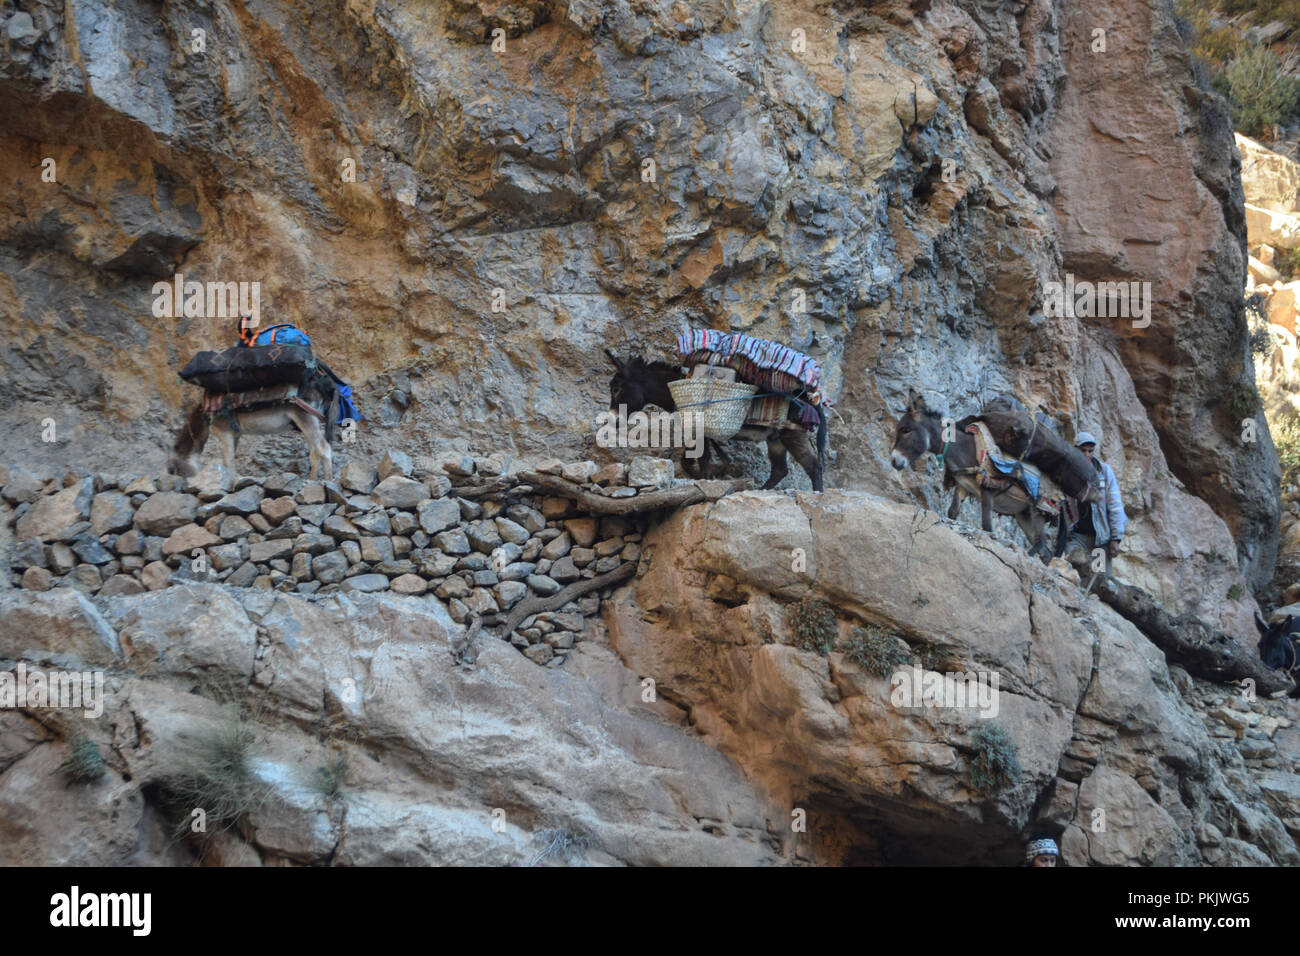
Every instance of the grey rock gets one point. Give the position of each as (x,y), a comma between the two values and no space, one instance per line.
(87,547)
(397,491)
(510,593)
(395,463)
(245,501)
(28,553)
(517,571)
(564,570)
(330,567)
(315,514)
(453,541)
(111,512)
(511,531)
(336,526)
(357,476)
(543,585)
(453,587)
(437,515)
(366,582)
(374,523)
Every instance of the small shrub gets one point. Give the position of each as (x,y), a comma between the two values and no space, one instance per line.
(1287,262)
(920,600)
(939,660)
(559,843)
(996,764)
(328,780)
(218,777)
(1286,439)
(1260,93)
(1241,401)
(1261,340)
(814,626)
(877,651)
(85,764)
(1235,592)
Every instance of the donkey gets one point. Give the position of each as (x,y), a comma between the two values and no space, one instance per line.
(267,420)
(638,383)
(1279,647)
(920,430)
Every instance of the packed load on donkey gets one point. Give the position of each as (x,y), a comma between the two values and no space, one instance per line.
(978,465)
(270,382)
(1033,439)
(739,387)
(781,376)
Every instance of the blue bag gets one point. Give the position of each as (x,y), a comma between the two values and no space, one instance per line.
(346,408)
(283,334)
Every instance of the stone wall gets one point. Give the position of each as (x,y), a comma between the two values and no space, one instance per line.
(412,529)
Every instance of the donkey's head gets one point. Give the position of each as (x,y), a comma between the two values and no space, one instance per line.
(912,437)
(188,445)
(637,383)
(1273,641)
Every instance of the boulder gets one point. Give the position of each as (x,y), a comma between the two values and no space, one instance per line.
(397,491)
(111,512)
(50,517)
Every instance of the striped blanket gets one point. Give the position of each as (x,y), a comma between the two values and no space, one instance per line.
(216,402)
(769,365)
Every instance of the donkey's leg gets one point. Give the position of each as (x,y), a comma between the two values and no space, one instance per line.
(776,458)
(986,509)
(958,496)
(1031,523)
(699,468)
(318,449)
(798,443)
(228,438)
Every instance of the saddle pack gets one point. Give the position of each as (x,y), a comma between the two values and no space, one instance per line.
(244,368)
(1000,472)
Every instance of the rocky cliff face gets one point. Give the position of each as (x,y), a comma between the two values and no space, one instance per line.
(464,203)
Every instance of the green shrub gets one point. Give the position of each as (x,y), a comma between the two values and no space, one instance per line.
(85,764)
(1259,92)
(328,780)
(1262,11)
(1287,262)
(1286,438)
(814,625)
(996,764)
(877,651)
(1235,592)
(1241,400)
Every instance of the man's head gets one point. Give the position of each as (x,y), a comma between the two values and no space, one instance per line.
(1086,442)
(247,324)
(1042,851)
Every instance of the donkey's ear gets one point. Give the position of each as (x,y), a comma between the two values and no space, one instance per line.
(915,402)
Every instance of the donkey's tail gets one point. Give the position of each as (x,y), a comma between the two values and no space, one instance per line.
(821,446)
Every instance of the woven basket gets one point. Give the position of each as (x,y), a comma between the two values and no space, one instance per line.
(722,405)
(768,411)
